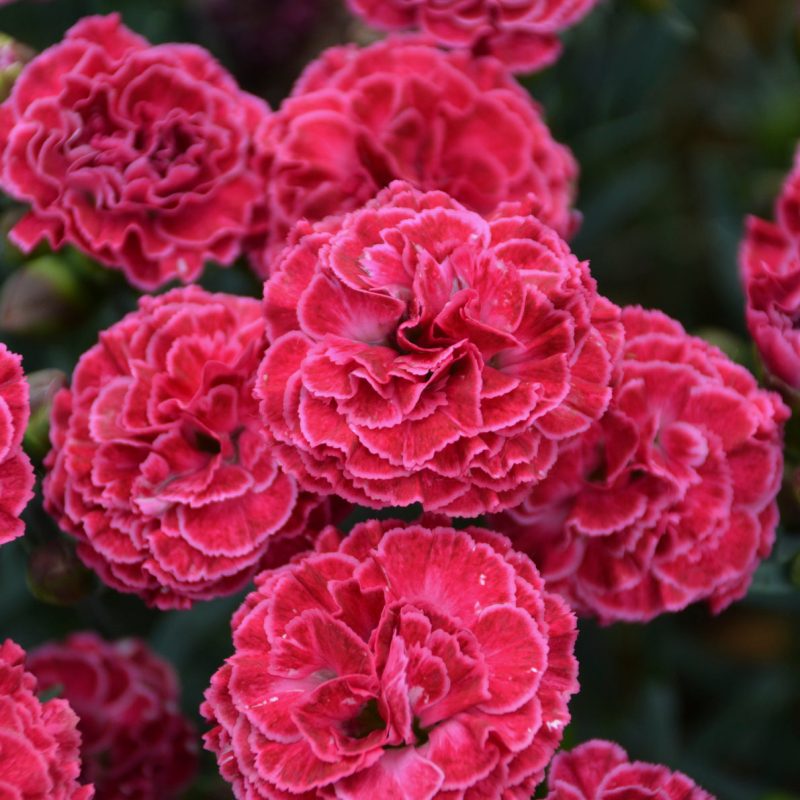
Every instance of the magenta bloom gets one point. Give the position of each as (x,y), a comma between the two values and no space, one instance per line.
(423,354)
(670,498)
(521,33)
(39,742)
(599,770)
(160,465)
(139,155)
(136,745)
(770,265)
(400,661)
(402,109)
(16,472)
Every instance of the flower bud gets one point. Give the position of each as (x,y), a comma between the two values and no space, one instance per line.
(794,571)
(13,57)
(56,576)
(40,297)
(44,384)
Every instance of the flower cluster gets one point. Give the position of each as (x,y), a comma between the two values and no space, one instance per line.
(39,742)
(135,743)
(599,770)
(670,498)
(523,33)
(16,473)
(426,337)
(403,109)
(142,156)
(770,262)
(160,466)
(399,661)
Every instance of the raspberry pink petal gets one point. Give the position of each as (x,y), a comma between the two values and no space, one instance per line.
(399,775)
(513,678)
(16,471)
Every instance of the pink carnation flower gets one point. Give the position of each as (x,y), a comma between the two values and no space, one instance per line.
(770,264)
(402,109)
(401,661)
(136,745)
(139,155)
(424,354)
(160,466)
(16,472)
(522,33)
(599,770)
(39,742)
(670,498)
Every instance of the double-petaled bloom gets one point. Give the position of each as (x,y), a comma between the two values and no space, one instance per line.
(160,464)
(670,498)
(16,472)
(140,155)
(400,661)
(424,354)
(770,265)
(135,743)
(403,109)
(522,33)
(39,741)
(600,770)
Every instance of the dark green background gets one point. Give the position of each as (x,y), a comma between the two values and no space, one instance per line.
(684,116)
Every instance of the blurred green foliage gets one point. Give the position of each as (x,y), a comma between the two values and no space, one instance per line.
(684,115)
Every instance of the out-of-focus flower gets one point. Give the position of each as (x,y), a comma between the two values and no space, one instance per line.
(135,745)
(139,155)
(16,472)
(400,661)
(424,354)
(600,770)
(161,468)
(522,33)
(770,265)
(39,742)
(359,118)
(670,498)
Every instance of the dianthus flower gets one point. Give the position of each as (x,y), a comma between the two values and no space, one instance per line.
(39,742)
(160,466)
(670,498)
(135,744)
(424,354)
(400,661)
(401,109)
(141,156)
(16,472)
(599,770)
(522,33)
(770,264)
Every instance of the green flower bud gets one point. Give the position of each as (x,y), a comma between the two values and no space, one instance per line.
(56,576)
(42,296)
